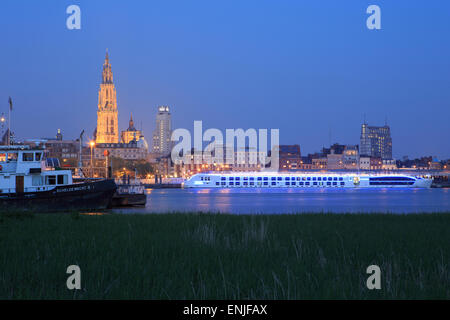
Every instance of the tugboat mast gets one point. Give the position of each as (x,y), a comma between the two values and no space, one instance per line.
(80,164)
(9,120)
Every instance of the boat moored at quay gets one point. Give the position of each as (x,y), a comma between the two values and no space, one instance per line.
(305,180)
(29,181)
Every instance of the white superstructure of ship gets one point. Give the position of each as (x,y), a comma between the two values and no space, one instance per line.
(306,180)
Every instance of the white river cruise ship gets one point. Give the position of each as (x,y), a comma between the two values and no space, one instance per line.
(305,180)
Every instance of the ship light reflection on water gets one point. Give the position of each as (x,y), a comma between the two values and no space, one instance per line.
(94,213)
(277,200)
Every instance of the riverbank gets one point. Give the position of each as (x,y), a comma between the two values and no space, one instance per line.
(217,256)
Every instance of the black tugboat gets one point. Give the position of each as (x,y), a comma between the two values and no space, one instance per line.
(28,183)
(129,193)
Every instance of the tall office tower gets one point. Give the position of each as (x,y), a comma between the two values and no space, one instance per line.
(107,114)
(376,141)
(162,144)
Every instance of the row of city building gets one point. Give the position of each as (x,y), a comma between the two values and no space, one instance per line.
(373,153)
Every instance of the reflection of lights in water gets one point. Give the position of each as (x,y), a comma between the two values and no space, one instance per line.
(148,191)
(279,200)
(94,213)
(204,190)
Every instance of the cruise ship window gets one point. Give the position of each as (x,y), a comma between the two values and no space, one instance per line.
(319,178)
(2,157)
(38,156)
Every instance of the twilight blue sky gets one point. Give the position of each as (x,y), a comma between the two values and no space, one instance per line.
(305,67)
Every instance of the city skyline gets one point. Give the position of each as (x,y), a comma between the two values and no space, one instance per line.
(324,81)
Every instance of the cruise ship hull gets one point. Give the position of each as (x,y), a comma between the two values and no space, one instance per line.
(79,196)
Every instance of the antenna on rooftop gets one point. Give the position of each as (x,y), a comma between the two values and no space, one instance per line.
(329,135)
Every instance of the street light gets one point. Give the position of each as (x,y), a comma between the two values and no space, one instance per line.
(92,144)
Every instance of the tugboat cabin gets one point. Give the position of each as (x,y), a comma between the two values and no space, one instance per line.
(24,170)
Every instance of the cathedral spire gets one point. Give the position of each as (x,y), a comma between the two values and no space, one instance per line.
(107,114)
(131,124)
(107,76)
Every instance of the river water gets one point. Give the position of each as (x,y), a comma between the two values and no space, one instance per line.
(272,201)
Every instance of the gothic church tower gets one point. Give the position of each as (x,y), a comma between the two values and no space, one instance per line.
(107,114)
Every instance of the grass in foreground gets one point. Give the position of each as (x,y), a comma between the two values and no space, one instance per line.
(201,256)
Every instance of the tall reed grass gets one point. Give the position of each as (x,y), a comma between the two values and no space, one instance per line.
(221,256)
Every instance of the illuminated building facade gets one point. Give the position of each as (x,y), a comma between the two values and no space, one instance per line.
(290,157)
(376,141)
(131,133)
(162,144)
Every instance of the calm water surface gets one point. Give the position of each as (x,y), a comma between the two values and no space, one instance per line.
(294,200)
